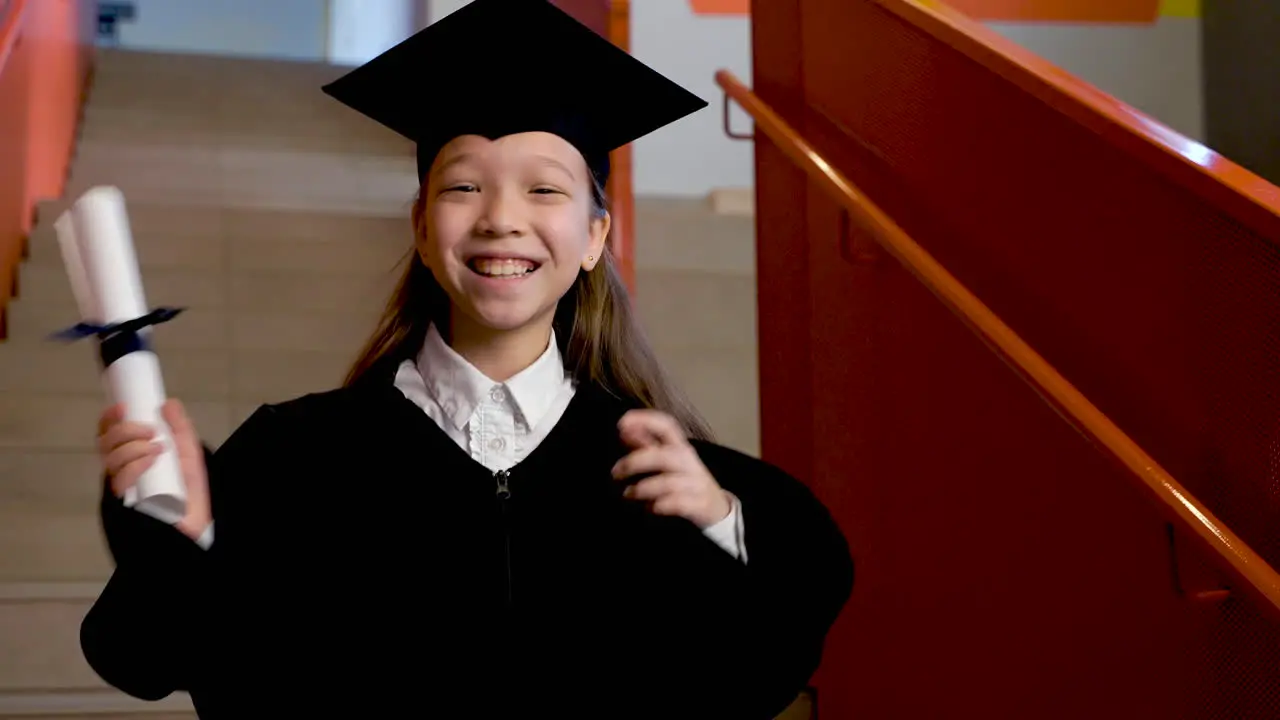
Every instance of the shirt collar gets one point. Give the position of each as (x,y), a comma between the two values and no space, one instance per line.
(459,388)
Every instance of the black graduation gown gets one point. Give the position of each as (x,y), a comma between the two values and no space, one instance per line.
(364,563)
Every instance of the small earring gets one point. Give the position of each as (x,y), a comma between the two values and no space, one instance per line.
(591,258)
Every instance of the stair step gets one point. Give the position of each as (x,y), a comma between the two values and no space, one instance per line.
(323,332)
(677,234)
(41,643)
(394,231)
(91,705)
(45,285)
(205,251)
(270,108)
(194,248)
(695,307)
(74,369)
(216,374)
(723,383)
(42,669)
(198,328)
(341,196)
(49,527)
(160,222)
(121,63)
(203,328)
(66,422)
(261,376)
(273,134)
(255,176)
(233,157)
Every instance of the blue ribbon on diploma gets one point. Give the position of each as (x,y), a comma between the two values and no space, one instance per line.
(118,339)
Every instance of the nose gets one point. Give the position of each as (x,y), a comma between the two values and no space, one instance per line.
(500,217)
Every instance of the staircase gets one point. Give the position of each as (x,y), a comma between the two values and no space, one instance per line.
(279,219)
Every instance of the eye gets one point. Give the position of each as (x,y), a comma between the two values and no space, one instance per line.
(460,187)
(547,191)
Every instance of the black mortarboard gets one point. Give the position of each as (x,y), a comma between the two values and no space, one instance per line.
(499,67)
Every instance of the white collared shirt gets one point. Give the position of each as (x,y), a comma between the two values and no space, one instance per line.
(499,424)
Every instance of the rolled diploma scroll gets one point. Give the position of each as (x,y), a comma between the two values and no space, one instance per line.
(102,266)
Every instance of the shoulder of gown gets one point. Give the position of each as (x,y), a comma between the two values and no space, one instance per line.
(783,603)
(160,577)
(137,539)
(788,529)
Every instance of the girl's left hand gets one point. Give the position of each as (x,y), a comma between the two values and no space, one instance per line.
(680,484)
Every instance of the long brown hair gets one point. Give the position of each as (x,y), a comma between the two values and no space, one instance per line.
(598,333)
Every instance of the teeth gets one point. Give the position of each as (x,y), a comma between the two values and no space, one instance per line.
(502,268)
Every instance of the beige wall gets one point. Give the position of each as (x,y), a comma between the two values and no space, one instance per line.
(293,29)
(1155,68)
(360,30)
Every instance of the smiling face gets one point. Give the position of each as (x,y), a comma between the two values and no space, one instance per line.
(505,227)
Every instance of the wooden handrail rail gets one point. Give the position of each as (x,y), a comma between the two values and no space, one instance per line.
(1256,577)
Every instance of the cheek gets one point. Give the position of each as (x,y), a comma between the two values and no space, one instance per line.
(567,236)
(444,230)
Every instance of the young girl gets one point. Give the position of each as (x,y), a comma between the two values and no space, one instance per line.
(506,511)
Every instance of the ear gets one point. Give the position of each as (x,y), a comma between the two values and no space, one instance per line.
(599,235)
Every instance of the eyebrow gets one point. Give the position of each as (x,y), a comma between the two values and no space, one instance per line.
(460,157)
(552,162)
(542,160)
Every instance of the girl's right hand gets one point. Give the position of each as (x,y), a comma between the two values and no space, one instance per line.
(128,449)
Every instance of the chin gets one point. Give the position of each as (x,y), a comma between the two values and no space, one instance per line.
(503,319)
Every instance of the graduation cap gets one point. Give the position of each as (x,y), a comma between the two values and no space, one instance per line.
(500,67)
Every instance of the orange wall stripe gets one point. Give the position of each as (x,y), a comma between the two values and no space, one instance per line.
(722,7)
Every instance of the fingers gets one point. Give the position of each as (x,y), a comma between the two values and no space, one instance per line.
(122,433)
(652,488)
(660,486)
(652,459)
(175,413)
(673,505)
(647,427)
(127,449)
(127,476)
(667,494)
(131,451)
(114,431)
(110,416)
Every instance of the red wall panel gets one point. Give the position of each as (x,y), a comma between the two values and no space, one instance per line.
(1004,568)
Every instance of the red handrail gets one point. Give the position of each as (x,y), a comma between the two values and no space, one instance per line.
(1241,562)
